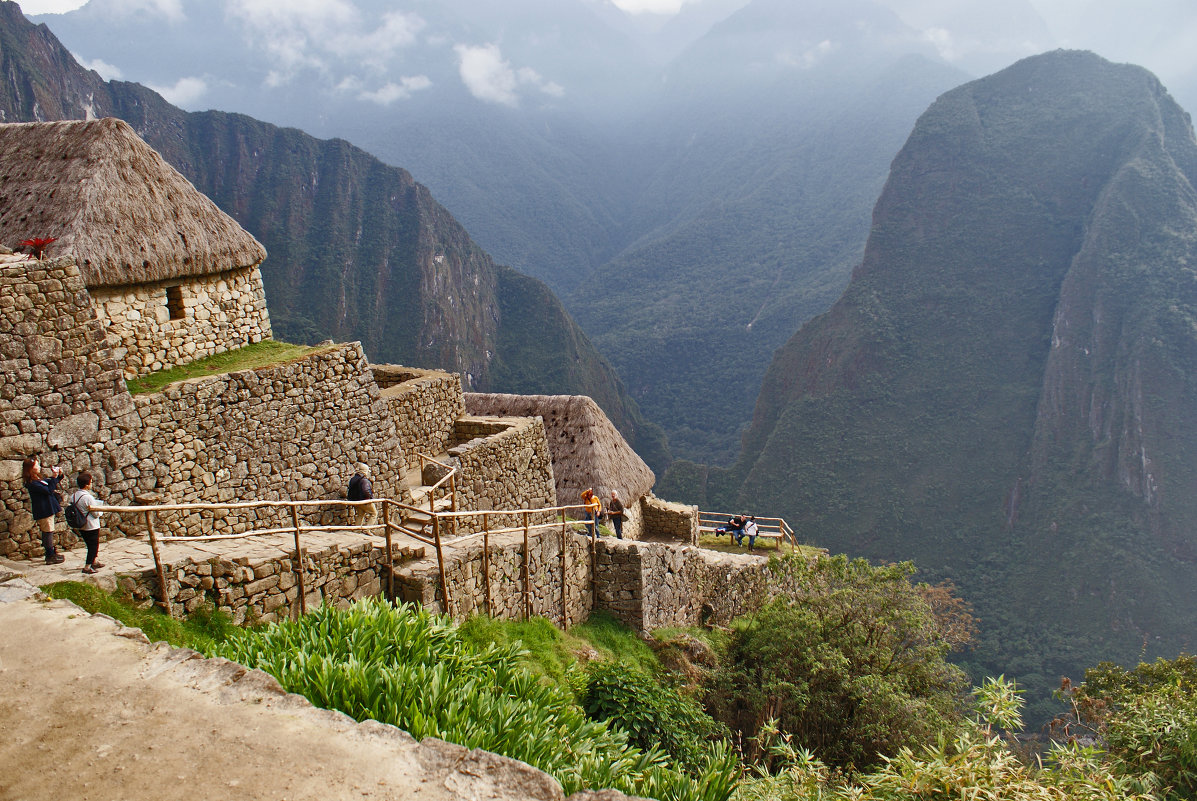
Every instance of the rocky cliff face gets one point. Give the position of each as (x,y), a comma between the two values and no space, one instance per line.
(358,249)
(1007,389)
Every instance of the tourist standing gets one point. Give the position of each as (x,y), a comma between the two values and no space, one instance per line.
(594,508)
(615,513)
(83,500)
(360,489)
(43,495)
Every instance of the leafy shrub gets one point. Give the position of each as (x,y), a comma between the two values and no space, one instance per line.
(1156,733)
(975,764)
(852,665)
(414,670)
(654,714)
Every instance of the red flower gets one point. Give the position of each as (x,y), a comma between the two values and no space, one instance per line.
(37,245)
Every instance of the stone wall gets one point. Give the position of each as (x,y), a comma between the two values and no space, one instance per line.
(504,464)
(672,522)
(652,585)
(268,590)
(419,582)
(423,406)
(292,431)
(646,585)
(152,327)
(62,398)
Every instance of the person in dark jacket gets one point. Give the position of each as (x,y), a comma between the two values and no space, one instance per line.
(43,495)
(615,513)
(360,489)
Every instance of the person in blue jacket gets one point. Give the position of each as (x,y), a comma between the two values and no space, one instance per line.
(43,494)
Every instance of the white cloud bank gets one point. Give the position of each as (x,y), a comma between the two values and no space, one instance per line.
(184,93)
(491,78)
(109,72)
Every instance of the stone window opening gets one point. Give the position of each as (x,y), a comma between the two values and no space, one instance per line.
(174,302)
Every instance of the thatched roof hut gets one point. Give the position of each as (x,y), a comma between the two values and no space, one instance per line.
(113,203)
(586,447)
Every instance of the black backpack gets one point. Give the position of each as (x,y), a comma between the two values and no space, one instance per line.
(355,488)
(75,517)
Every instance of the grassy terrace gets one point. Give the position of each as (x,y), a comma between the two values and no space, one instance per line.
(252,357)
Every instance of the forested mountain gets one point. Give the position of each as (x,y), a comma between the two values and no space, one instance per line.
(671,203)
(358,249)
(1006,393)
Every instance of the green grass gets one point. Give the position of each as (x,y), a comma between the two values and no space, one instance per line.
(203,629)
(262,354)
(726,544)
(556,654)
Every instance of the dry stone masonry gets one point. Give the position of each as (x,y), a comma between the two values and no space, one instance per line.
(62,397)
(156,326)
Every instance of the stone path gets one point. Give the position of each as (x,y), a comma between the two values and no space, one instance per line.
(90,709)
(127,555)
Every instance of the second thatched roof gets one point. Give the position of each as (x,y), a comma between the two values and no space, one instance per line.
(586,448)
(113,203)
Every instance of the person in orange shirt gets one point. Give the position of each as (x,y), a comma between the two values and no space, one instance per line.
(594,509)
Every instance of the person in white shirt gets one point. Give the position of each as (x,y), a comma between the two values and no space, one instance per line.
(748,531)
(83,500)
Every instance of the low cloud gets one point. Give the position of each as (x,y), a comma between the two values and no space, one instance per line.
(184,93)
(387,93)
(322,35)
(170,10)
(808,58)
(491,78)
(109,72)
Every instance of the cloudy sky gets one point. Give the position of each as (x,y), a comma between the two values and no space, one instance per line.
(978,35)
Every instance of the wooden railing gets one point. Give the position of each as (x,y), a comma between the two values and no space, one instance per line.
(392,514)
(768,527)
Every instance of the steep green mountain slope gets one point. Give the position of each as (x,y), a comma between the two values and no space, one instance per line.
(1007,391)
(781,124)
(358,249)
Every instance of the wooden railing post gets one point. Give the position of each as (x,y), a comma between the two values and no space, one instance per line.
(149,524)
(386,527)
(527,597)
(453,497)
(440,560)
(564,578)
(486,560)
(593,573)
(303,596)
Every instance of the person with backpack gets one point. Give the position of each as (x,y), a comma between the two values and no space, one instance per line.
(43,496)
(81,517)
(360,489)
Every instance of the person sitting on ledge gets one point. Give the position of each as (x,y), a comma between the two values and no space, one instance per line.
(734,526)
(749,530)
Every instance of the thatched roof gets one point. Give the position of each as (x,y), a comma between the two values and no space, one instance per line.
(586,447)
(113,203)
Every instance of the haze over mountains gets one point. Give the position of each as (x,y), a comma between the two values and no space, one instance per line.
(358,250)
(1006,392)
(673,178)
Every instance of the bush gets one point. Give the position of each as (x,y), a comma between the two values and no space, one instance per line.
(975,764)
(852,665)
(654,714)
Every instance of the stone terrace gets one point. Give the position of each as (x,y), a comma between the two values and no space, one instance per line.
(251,578)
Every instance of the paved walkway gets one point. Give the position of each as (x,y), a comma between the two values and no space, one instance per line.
(128,555)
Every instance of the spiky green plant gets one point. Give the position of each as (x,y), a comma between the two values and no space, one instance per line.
(404,666)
